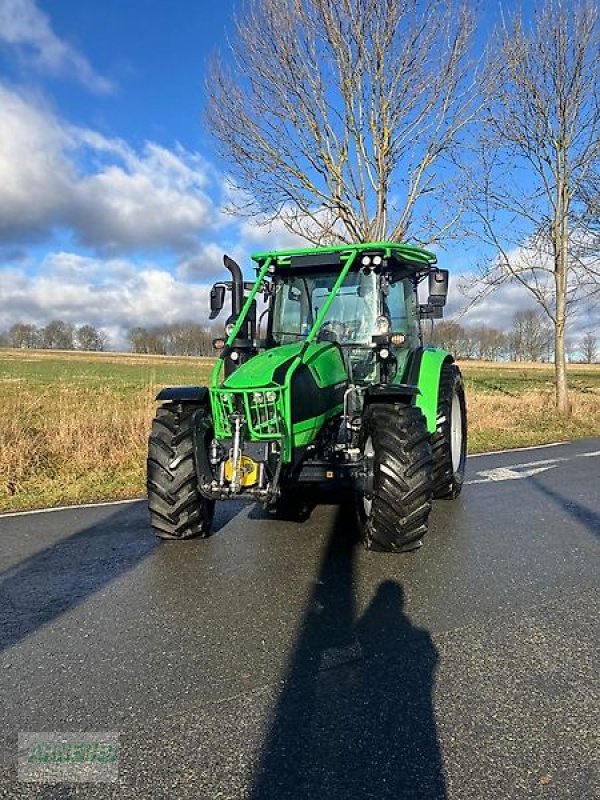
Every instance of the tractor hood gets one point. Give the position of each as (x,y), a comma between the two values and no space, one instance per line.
(269,368)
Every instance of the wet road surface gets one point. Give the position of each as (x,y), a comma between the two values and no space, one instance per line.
(280,660)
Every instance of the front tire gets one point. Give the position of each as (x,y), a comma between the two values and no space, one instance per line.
(449,442)
(393,517)
(177,509)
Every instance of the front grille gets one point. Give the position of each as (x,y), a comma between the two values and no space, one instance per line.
(264,418)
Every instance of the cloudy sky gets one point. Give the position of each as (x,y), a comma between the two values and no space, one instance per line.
(111,197)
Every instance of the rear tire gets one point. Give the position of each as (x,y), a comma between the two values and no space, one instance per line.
(449,442)
(394,517)
(177,509)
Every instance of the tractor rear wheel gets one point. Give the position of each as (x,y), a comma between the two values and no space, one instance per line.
(449,442)
(393,516)
(177,509)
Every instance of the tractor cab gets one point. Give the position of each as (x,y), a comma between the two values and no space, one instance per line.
(373,314)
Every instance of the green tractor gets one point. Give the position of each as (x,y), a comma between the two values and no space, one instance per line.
(323,385)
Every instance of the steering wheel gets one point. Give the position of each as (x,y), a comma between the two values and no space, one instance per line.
(352,328)
(332,331)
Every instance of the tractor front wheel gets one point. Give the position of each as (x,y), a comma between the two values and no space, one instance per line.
(393,514)
(177,509)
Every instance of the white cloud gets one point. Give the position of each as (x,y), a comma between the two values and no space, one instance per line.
(36,177)
(25,27)
(112,197)
(112,294)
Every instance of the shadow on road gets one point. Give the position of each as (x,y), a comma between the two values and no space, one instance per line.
(354,718)
(585,516)
(56,579)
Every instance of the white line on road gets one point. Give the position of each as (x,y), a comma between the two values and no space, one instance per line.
(525,470)
(71,508)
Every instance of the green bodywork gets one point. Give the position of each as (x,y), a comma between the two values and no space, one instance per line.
(262,386)
(429,383)
(265,385)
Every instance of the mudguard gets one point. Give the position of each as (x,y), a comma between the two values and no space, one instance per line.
(424,371)
(183,394)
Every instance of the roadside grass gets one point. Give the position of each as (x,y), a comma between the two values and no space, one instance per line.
(512,405)
(75,425)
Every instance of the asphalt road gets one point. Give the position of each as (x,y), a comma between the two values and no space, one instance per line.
(279,660)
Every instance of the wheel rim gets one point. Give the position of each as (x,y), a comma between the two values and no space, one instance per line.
(368,452)
(456,433)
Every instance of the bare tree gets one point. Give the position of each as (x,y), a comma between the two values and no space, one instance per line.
(90,338)
(57,335)
(22,335)
(531,337)
(342,118)
(540,150)
(589,348)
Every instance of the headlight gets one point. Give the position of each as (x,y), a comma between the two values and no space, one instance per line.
(229,327)
(271,396)
(384,353)
(366,261)
(377,260)
(382,324)
(257,397)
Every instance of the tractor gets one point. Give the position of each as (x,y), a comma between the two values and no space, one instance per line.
(322,387)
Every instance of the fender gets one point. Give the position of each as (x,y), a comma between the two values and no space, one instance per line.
(425,370)
(183,394)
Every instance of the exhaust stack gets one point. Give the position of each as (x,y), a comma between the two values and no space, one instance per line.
(237,285)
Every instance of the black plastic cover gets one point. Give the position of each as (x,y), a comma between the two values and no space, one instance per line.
(187,394)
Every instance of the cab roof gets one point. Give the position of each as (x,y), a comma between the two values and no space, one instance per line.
(330,256)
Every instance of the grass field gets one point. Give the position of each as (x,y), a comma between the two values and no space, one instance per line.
(74,425)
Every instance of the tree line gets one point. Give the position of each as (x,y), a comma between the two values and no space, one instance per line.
(177,338)
(56,335)
(173,339)
(529,339)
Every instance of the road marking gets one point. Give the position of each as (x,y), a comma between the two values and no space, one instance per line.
(71,508)
(526,470)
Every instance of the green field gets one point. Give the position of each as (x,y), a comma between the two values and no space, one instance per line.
(74,425)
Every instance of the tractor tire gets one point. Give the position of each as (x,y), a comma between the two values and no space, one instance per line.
(177,509)
(449,442)
(394,517)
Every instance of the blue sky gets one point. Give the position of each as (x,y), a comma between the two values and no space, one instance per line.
(111,195)
(153,52)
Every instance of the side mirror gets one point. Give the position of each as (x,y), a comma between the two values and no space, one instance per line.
(217,299)
(438,287)
(430,311)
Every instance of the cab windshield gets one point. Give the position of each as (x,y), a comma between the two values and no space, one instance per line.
(300,296)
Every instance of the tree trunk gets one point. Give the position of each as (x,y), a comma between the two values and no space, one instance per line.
(560,369)
(560,357)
